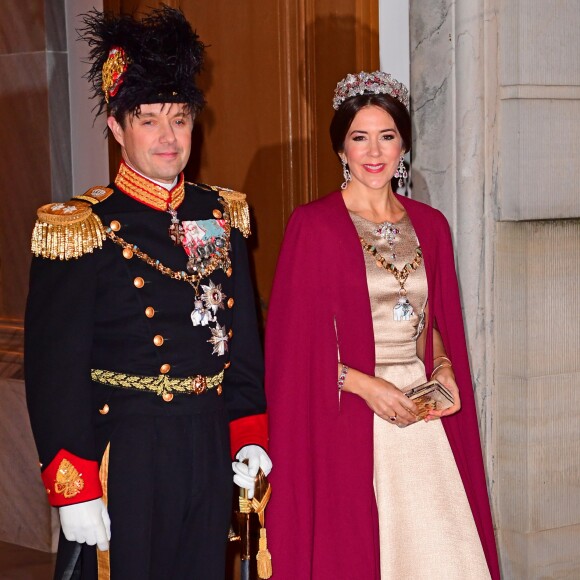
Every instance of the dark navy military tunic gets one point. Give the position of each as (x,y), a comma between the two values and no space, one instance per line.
(169,479)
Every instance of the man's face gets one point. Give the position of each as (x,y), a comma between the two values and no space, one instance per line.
(157,142)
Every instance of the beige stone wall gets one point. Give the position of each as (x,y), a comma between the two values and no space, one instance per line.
(537,398)
(538,77)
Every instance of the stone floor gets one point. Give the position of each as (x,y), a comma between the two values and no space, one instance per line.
(19,563)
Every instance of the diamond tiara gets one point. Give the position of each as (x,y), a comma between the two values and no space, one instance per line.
(364,83)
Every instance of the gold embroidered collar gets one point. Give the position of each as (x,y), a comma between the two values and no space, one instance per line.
(148,192)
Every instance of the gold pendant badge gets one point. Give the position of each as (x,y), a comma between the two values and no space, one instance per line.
(68,480)
(113,71)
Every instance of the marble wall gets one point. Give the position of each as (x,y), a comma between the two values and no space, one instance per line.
(496,111)
(89,152)
(34,114)
(35,168)
(448,167)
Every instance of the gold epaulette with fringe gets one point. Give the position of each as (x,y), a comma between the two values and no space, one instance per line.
(69,229)
(236,204)
(238,210)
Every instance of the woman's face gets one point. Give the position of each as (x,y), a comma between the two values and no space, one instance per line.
(372,148)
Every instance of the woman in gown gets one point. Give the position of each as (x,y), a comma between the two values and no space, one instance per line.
(363,489)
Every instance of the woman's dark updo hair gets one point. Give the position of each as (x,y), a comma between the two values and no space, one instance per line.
(344,116)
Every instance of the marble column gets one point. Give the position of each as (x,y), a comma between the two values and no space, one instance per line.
(448,110)
(496,112)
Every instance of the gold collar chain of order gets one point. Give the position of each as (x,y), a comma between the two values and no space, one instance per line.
(400,275)
(220,259)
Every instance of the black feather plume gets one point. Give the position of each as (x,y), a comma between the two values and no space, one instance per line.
(164,56)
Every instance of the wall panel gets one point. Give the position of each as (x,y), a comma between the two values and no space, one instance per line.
(540,42)
(540,163)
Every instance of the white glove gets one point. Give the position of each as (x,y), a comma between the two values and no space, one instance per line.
(86,522)
(246,474)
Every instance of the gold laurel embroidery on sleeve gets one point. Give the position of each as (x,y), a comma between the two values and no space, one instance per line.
(68,480)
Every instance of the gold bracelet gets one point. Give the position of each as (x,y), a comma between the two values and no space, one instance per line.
(443,357)
(439,367)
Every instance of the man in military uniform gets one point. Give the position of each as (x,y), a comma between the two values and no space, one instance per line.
(143,362)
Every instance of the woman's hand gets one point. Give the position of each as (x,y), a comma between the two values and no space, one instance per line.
(384,399)
(388,402)
(446,377)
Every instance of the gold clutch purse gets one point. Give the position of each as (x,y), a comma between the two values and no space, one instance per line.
(430,396)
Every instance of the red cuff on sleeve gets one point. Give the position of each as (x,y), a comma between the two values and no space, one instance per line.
(250,430)
(69,479)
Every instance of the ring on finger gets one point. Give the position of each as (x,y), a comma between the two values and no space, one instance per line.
(393,418)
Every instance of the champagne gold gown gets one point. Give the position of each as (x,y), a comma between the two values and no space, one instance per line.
(426,526)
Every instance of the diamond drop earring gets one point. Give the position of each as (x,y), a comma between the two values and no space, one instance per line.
(345,174)
(401,172)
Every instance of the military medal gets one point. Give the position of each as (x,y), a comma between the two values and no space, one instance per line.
(175,229)
(219,339)
(200,315)
(206,306)
(213,297)
(204,242)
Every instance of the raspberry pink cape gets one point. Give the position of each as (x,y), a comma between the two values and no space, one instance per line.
(322,519)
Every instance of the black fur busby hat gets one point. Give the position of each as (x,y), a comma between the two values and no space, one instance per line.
(136,62)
